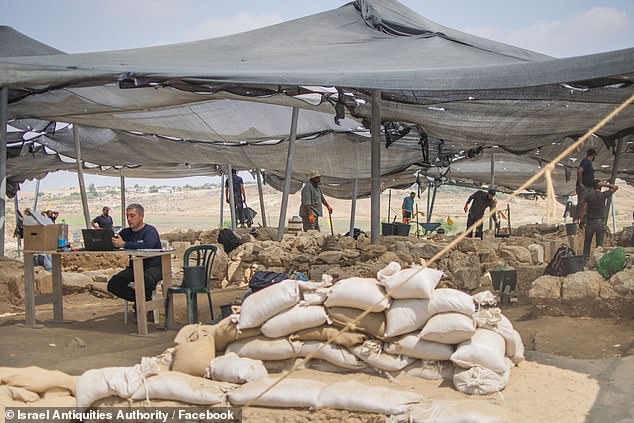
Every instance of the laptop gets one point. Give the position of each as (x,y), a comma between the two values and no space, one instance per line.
(98,239)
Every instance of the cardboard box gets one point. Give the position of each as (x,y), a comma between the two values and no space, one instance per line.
(41,237)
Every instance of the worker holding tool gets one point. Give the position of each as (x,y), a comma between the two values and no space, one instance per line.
(481,200)
(407,209)
(312,199)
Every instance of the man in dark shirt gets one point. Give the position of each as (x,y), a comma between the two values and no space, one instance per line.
(103,221)
(585,177)
(138,235)
(481,200)
(239,196)
(593,209)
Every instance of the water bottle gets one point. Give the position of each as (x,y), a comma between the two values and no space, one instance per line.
(61,236)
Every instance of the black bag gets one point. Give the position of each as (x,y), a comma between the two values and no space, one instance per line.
(556,265)
(261,280)
(228,239)
(357,232)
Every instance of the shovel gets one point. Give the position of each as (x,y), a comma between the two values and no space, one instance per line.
(332,231)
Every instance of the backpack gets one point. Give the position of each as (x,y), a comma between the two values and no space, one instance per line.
(556,265)
(261,280)
(357,233)
(228,239)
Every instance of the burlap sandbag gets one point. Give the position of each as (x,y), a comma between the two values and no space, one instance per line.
(190,333)
(226,331)
(372,324)
(325,333)
(36,379)
(193,358)
(13,393)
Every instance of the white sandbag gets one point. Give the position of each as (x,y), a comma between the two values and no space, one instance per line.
(326,367)
(355,396)
(405,316)
(447,411)
(331,353)
(178,386)
(447,300)
(300,393)
(372,353)
(388,271)
(481,381)
(411,345)
(261,348)
(429,370)
(485,298)
(316,297)
(293,320)
(494,320)
(257,308)
(484,349)
(360,293)
(309,286)
(232,368)
(415,282)
(95,384)
(448,328)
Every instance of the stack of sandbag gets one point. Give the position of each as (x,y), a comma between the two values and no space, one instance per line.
(36,387)
(408,327)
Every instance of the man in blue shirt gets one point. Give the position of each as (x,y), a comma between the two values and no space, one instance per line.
(138,235)
(239,196)
(408,207)
(103,221)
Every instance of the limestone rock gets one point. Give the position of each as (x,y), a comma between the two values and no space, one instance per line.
(515,255)
(525,277)
(273,256)
(316,272)
(329,257)
(402,247)
(595,256)
(220,264)
(425,250)
(607,292)
(581,285)
(265,234)
(235,271)
(347,242)
(468,245)
(372,251)
(246,238)
(76,281)
(487,256)
(466,277)
(43,280)
(458,260)
(623,283)
(546,288)
(404,257)
(388,257)
(350,254)
(537,253)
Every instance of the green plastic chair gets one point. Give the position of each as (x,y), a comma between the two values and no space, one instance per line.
(197,263)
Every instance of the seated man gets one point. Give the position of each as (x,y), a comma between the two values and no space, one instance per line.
(137,235)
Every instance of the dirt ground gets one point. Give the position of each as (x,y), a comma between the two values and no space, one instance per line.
(576,369)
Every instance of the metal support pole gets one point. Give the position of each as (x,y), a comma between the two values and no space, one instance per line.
(258,174)
(375,160)
(222,200)
(615,171)
(613,218)
(37,194)
(433,200)
(16,206)
(428,218)
(232,202)
(353,206)
(492,184)
(80,177)
(287,175)
(4,118)
(124,221)
(389,205)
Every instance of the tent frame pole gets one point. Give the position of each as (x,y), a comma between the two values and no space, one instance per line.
(80,177)
(615,170)
(122,187)
(222,201)
(492,185)
(16,207)
(37,194)
(4,119)
(353,205)
(232,202)
(258,174)
(375,172)
(288,174)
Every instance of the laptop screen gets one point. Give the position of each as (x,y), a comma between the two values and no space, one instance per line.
(98,239)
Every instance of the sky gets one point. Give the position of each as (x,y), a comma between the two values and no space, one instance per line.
(560,28)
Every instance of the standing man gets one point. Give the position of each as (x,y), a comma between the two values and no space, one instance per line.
(593,209)
(408,207)
(239,196)
(481,200)
(103,221)
(312,199)
(585,177)
(138,235)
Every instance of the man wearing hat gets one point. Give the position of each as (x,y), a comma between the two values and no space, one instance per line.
(103,221)
(481,200)
(585,177)
(312,199)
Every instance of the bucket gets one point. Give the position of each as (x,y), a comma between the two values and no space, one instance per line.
(295,224)
(194,277)
(225,310)
(571,229)
(388,228)
(401,229)
(572,264)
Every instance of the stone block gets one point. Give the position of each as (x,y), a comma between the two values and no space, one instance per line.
(537,253)
(425,250)
(316,272)
(525,277)
(388,257)
(581,285)
(515,255)
(180,247)
(219,266)
(467,277)
(329,257)
(487,256)
(468,245)
(43,281)
(546,288)
(623,283)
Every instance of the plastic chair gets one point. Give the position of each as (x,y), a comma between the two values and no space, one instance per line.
(197,263)
(155,313)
